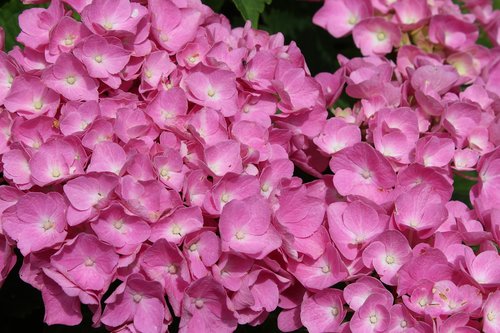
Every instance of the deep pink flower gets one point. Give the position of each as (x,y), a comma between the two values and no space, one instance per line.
(339,17)
(323,311)
(376,36)
(87,262)
(139,301)
(205,308)
(69,78)
(37,221)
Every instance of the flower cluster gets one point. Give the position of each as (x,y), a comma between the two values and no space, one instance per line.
(151,153)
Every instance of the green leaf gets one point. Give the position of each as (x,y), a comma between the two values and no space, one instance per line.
(496,4)
(462,183)
(251,9)
(9,15)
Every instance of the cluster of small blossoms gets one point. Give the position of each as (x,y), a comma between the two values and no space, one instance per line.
(431,114)
(150,152)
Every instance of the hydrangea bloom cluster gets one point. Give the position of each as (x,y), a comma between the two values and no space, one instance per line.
(150,152)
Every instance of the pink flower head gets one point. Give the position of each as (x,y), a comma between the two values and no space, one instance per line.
(156,67)
(36,24)
(491,313)
(357,293)
(430,265)
(230,187)
(138,301)
(349,229)
(376,36)
(93,190)
(245,226)
(147,199)
(411,14)
(299,213)
(339,17)
(65,36)
(205,308)
(77,117)
(8,70)
(372,316)
(30,98)
(395,132)
(323,311)
(484,268)
(103,57)
(420,209)
(173,27)
(164,262)
(176,226)
(433,151)
(336,135)
(224,157)
(361,170)
(69,78)
(57,160)
(109,16)
(169,108)
(321,273)
(202,251)
(36,222)
(123,231)
(297,91)
(387,253)
(213,88)
(107,157)
(87,262)
(452,32)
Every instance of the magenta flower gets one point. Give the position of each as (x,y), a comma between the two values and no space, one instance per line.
(245,227)
(206,308)
(30,98)
(140,302)
(361,170)
(323,311)
(376,36)
(87,262)
(339,17)
(69,78)
(36,222)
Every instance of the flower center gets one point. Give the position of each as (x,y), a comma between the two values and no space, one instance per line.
(137,298)
(172,269)
(193,247)
(98,59)
(422,302)
(335,311)
(56,173)
(70,80)
(211,92)
(325,269)
(198,303)
(176,230)
(352,20)
(88,262)
(366,174)
(490,316)
(148,73)
(47,225)
(265,187)
(38,105)
(390,260)
(381,36)
(108,25)
(403,323)
(118,224)
(240,235)
(225,198)
(373,319)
